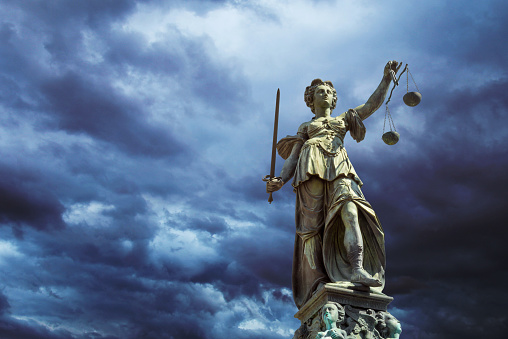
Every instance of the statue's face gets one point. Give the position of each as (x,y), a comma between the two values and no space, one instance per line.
(330,313)
(392,324)
(323,96)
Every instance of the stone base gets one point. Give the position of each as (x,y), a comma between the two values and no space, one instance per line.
(366,313)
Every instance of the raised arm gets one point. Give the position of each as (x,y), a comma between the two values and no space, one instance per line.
(376,99)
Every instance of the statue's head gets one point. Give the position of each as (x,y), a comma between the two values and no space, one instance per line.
(388,325)
(316,85)
(332,312)
(392,324)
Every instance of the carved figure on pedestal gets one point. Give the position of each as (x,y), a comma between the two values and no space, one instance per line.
(334,320)
(339,238)
(332,315)
(388,325)
(361,324)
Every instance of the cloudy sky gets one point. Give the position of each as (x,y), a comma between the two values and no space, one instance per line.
(134,135)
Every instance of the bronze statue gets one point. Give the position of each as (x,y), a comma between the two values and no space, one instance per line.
(339,238)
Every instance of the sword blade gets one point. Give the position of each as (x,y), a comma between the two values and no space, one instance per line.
(274,144)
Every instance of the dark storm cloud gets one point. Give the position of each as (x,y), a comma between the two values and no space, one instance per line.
(80,99)
(461,153)
(272,264)
(453,311)
(107,289)
(24,199)
(61,12)
(217,85)
(4,304)
(79,103)
(95,269)
(83,106)
(13,329)
(211,224)
(241,264)
(33,191)
(470,35)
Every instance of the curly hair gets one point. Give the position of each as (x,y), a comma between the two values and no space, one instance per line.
(309,93)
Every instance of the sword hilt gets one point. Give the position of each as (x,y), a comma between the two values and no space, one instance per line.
(269,178)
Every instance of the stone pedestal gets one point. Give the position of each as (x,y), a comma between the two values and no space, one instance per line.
(365,313)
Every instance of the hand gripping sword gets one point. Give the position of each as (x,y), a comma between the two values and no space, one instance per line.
(274,144)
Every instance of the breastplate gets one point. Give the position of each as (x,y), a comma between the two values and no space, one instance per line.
(327,134)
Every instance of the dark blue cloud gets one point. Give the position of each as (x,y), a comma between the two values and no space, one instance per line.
(83,106)
(11,329)
(4,304)
(24,200)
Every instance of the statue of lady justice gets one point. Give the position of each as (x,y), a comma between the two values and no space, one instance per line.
(339,238)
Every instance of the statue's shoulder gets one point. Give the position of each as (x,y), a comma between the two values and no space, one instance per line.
(306,124)
(341,117)
(285,145)
(302,130)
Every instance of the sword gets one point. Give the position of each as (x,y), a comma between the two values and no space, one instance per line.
(274,144)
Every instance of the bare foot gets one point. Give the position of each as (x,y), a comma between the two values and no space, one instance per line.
(361,276)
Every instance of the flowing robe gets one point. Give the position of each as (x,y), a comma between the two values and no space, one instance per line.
(323,182)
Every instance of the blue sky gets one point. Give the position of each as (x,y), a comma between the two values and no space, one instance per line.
(134,136)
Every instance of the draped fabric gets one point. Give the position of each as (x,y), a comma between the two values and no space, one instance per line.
(324,181)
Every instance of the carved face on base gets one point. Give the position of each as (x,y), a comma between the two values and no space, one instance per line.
(392,324)
(332,313)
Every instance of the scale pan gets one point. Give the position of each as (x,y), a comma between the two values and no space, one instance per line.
(391,137)
(412,98)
